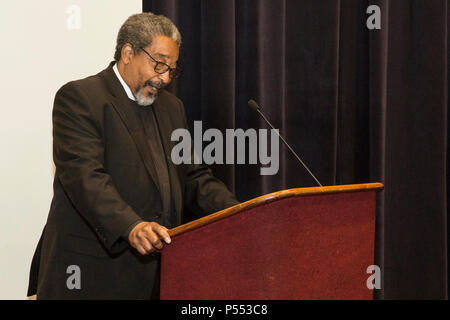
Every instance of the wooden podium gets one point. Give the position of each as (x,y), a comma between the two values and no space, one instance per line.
(305,243)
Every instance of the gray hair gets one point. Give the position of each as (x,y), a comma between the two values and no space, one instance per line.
(140,29)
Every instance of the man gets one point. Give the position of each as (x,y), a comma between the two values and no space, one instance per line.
(116,190)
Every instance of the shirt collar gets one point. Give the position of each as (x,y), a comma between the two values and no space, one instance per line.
(124,85)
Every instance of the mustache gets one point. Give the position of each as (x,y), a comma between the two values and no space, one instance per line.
(156,84)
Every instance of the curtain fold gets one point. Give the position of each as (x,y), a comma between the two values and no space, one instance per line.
(357,105)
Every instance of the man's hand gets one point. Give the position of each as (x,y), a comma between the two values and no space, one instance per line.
(147,237)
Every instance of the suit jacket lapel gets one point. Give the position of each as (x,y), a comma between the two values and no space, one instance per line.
(124,108)
(165,128)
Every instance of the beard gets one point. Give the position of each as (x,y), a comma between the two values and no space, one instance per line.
(147,100)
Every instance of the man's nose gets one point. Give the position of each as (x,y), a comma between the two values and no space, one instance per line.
(165,77)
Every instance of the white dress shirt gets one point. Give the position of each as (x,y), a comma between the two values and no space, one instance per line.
(124,84)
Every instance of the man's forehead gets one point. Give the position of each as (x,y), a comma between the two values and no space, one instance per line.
(161,55)
(164,48)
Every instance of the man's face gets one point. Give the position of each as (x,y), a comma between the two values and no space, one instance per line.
(145,81)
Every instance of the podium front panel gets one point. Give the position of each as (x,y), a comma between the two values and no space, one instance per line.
(304,247)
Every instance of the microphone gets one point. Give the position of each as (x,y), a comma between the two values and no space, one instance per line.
(252,104)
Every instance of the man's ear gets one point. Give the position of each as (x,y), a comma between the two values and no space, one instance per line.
(127,53)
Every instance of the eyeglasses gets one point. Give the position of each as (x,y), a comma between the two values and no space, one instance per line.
(161,67)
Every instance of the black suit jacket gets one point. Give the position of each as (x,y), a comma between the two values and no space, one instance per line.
(104,182)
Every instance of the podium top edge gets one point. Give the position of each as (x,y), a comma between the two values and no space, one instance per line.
(274,196)
(330,189)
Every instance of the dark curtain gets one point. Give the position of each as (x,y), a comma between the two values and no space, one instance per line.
(358,105)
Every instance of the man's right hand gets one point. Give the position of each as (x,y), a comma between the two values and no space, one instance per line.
(148,237)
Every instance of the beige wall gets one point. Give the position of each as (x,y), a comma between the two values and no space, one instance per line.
(42,49)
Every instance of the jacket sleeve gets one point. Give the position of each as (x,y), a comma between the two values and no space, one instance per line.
(204,193)
(78,153)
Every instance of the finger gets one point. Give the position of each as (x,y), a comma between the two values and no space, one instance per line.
(146,244)
(141,243)
(162,232)
(152,237)
(141,250)
(154,240)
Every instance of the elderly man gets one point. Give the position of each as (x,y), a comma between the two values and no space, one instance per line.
(116,190)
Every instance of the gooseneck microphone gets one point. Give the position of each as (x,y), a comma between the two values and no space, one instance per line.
(252,104)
